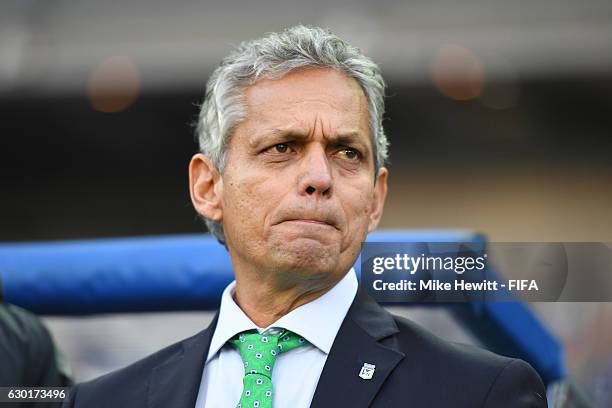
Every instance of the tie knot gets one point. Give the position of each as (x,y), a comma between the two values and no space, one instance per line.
(259,351)
(251,341)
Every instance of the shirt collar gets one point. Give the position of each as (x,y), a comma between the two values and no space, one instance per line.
(317,321)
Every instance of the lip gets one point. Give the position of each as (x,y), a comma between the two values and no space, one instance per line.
(310,222)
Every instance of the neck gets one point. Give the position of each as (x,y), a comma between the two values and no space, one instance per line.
(264,302)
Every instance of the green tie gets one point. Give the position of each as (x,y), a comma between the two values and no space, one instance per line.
(259,352)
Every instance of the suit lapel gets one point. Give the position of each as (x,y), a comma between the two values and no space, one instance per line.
(356,344)
(176,381)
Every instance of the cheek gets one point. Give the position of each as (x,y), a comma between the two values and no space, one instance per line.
(248,200)
(358,206)
(237,198)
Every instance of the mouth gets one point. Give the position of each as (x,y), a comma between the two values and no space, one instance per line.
(309,222)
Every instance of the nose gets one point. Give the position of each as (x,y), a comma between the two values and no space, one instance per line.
(315,173)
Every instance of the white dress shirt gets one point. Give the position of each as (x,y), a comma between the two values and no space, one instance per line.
(296,372)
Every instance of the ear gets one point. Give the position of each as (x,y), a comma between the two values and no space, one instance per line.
(378,199)
(205,187)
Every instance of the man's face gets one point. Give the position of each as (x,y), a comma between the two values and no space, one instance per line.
(297,195)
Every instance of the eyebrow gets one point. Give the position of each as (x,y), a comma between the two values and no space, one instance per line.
(349,138)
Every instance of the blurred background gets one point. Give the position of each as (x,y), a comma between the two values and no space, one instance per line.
(499,116)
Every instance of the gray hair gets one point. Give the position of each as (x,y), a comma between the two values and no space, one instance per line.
(274,56)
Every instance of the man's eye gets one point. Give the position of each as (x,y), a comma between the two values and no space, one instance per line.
(280,148)
(350,154)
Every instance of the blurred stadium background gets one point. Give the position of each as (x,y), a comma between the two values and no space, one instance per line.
(499,116)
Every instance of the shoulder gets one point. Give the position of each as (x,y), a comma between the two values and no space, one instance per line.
(27,349)
(129,383)
(412,337)
(465,374)
(21,329)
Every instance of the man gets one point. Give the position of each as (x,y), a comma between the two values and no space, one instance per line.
(290,179)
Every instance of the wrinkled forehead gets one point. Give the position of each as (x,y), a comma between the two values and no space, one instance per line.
(307,101)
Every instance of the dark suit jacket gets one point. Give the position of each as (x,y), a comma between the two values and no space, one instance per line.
(413,369)
(28,357)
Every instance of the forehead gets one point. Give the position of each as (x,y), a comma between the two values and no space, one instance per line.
(306,98)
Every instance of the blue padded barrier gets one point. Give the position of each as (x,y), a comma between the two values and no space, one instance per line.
(183,272)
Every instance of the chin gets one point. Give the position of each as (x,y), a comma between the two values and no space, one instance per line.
(307,256)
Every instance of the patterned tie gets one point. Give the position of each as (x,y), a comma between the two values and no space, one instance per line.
(259,352)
